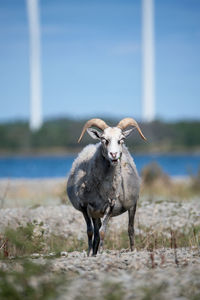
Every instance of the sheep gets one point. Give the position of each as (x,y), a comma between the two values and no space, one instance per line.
(103,181)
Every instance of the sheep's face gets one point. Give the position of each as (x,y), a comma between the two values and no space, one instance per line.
(112,140)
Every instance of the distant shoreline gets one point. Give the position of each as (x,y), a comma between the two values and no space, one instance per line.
(19,180)
(74,152)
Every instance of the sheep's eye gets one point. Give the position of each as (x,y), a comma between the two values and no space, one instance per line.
(121,141)
(106,142)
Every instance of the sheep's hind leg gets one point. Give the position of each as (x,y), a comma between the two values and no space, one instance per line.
(89,230)
(131,215)
(97,225)
(105,220)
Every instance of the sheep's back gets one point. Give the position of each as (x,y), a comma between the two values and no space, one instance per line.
(83,159)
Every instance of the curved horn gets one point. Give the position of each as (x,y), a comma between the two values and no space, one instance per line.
(93,122)
(124,123)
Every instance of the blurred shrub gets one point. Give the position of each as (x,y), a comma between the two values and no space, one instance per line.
(195,182)
(153,172)
(156,182)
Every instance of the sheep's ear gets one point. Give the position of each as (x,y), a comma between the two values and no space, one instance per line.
(95,134)
(126,133)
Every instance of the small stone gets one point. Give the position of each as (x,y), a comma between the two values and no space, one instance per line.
(35,255)
(63,253)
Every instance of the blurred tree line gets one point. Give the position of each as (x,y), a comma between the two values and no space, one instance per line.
(61,135)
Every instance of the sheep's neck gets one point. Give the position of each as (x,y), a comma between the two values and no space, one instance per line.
(107,168)
(107,177)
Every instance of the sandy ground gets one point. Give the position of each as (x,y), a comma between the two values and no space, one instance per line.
(115,274)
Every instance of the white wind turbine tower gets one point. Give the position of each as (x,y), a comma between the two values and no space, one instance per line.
(148,80)
(35,67)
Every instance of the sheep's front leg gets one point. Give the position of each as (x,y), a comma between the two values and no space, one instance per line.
(131,215)
(97,225)
(105,220)
(89,231)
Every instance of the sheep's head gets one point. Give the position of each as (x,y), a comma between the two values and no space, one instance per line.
(112,138)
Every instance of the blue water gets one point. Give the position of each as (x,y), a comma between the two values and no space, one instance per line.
(51,166)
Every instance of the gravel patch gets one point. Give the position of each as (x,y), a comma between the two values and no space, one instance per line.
(126,275)
(65,220)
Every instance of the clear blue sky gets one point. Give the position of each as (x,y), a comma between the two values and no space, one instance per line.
(91,58)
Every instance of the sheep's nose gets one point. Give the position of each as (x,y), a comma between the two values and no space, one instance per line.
(113,154)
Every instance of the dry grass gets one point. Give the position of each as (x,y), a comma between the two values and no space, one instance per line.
(156,183)
(150,239)
(29,239)
(32,192)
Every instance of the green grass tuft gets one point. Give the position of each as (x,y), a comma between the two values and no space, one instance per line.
(31,282)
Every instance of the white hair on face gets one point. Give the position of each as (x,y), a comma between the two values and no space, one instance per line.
(113,148)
